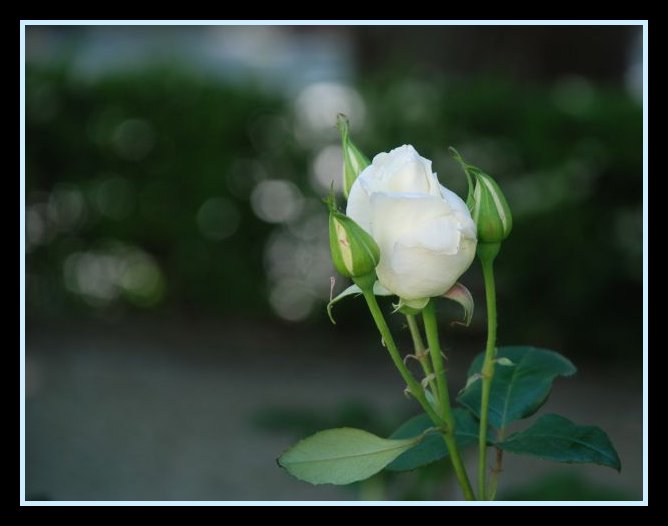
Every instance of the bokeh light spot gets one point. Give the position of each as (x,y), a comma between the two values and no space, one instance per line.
(326,169)
(66,206)
(133,139)
(276,201)
(115,197)
(100,276)
(218,218)
(291,299)
(317,105)
(243,175)
(35,227)
(142,280)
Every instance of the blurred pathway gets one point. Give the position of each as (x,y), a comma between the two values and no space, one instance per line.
(167,412)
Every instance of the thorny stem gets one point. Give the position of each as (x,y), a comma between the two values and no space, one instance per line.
(420,351)
(413,385)
(431,329)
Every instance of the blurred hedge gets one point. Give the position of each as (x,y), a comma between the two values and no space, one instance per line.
(144,150)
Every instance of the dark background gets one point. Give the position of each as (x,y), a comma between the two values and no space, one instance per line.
(177,263)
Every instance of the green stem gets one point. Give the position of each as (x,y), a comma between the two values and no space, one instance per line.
(431,329)
(497,469)
(420,351)
(413,385)
(487,253)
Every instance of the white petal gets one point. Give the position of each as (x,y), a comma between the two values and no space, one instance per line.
(466,223)
(455,202)
(425,232)
(379,159)
(408,176)
(404,170)
(423,252)
(418,272)
(394,214)
(359,204)
(440,234)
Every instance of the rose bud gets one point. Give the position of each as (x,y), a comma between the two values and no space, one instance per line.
(425,232)
(354,252)
(354,161)
(488,205)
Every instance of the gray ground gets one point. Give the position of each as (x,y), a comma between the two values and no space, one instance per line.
(166,411)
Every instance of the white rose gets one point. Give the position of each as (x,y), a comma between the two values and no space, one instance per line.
(425,233)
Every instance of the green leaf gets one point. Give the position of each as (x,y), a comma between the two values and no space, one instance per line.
(432,447)
(518,389)
(353,289)
(378,290)
(342,456)
(553,437)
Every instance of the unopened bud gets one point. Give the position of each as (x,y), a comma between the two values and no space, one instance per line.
(354,161)
(488,205)
(354,252)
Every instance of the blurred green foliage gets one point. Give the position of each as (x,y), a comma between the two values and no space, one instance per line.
(147,149)
(139,155)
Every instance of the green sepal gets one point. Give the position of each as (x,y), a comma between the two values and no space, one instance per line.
(487,203)
(354,161)
(354,289)
(354,252)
